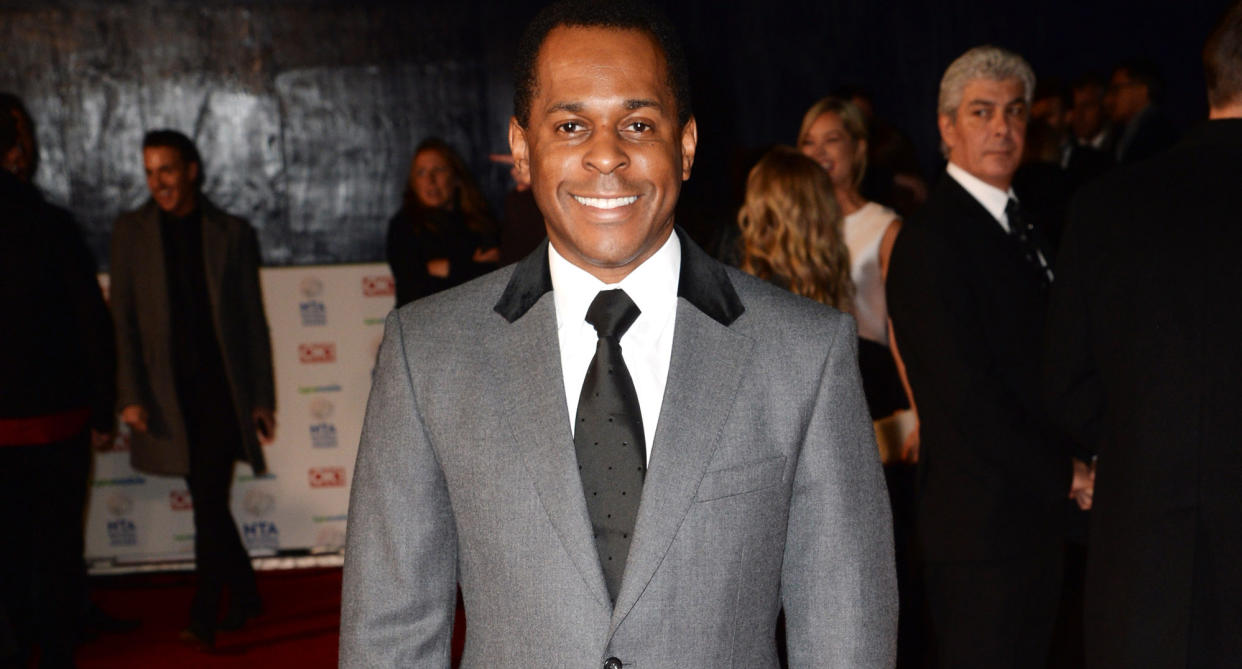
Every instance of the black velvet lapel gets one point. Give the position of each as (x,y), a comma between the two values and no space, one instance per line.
(530,280)
(703,283)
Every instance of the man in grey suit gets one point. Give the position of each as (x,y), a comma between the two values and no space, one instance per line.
(732,472)
(194,362)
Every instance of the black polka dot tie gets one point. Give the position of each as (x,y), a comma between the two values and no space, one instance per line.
(608,437)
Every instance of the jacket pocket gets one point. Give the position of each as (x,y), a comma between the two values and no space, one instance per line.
(740,479)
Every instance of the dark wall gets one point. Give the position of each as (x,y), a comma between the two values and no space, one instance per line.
(306,112)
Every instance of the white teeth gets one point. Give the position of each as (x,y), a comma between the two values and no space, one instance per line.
(606,202)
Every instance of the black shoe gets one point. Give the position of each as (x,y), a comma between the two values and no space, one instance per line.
(237,616)
(199,635)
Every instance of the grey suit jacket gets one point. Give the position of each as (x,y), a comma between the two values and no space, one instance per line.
(139,300)
(764,489)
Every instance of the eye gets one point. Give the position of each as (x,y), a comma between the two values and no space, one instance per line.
(638,126)
(569,127)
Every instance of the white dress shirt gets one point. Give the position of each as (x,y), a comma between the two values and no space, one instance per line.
(992,198)
(647,346)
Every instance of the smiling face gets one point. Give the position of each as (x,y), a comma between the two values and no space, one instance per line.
(603,149)
(986,134)
(433,180)
(170,179)
(830,144)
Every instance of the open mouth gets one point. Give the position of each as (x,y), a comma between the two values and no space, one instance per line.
(606,202)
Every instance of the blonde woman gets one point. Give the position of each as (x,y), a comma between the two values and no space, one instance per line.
(834,135)
(790,228)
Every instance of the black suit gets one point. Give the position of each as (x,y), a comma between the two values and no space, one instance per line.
(1149,133)
(1144,363)
(968,312)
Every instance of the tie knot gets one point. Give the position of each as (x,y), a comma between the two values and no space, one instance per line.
(1013,211)
(612,312)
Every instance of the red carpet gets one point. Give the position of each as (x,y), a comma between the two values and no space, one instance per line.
(299,627)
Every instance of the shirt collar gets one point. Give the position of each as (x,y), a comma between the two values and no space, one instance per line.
(652,285)
(992,198)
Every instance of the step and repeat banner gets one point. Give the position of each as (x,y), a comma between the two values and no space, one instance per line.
(326,325)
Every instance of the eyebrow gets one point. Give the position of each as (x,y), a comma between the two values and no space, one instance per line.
(989,103)
(630,105)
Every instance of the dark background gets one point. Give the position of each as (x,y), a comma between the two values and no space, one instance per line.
(306,113)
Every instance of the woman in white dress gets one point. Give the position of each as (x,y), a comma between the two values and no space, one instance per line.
(834,134)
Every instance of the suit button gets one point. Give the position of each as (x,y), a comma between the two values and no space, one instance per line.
(612,663)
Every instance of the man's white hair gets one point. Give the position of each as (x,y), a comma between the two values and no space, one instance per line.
(983,62)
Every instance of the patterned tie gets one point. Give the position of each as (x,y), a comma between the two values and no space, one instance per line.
(1029,237)
(608,437)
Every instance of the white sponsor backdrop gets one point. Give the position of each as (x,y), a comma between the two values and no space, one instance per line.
(326,324)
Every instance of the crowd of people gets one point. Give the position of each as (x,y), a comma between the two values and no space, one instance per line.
(1052,310)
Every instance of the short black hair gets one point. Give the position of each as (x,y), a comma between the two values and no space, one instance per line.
(615,14)
(1053,87)
(1144,72)
(173,139)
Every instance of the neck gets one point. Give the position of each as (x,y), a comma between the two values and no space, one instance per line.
(1231,110)
(185,209)
(849,199)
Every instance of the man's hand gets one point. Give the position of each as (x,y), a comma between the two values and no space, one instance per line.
(264,424)
(135,417)
(1082,487)
(910,447)
(438,267)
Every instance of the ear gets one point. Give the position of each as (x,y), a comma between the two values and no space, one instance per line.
(191,171)
(948,130)
(689,142)
(860,150)
(520,150)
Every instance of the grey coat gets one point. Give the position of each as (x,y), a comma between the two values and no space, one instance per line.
(764,489)
(139,298)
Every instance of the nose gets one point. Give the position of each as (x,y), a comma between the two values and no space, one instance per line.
(1002,123)
(605,153)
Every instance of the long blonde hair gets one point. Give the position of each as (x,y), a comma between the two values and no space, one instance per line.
(791,229)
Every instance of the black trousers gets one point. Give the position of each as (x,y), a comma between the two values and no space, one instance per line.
(220,557)
(994,614)
(42,585)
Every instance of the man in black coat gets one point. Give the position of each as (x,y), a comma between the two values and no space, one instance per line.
(966,292)
(1142,129)
(56,395)
(1144,366)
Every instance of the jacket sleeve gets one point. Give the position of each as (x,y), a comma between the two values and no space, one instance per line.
(131,373)
(1073,390)
(942,337)
(94,327)
(400,576)
(838,581)
(258,338)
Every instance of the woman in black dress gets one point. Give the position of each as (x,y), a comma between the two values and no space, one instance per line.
(443,234)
